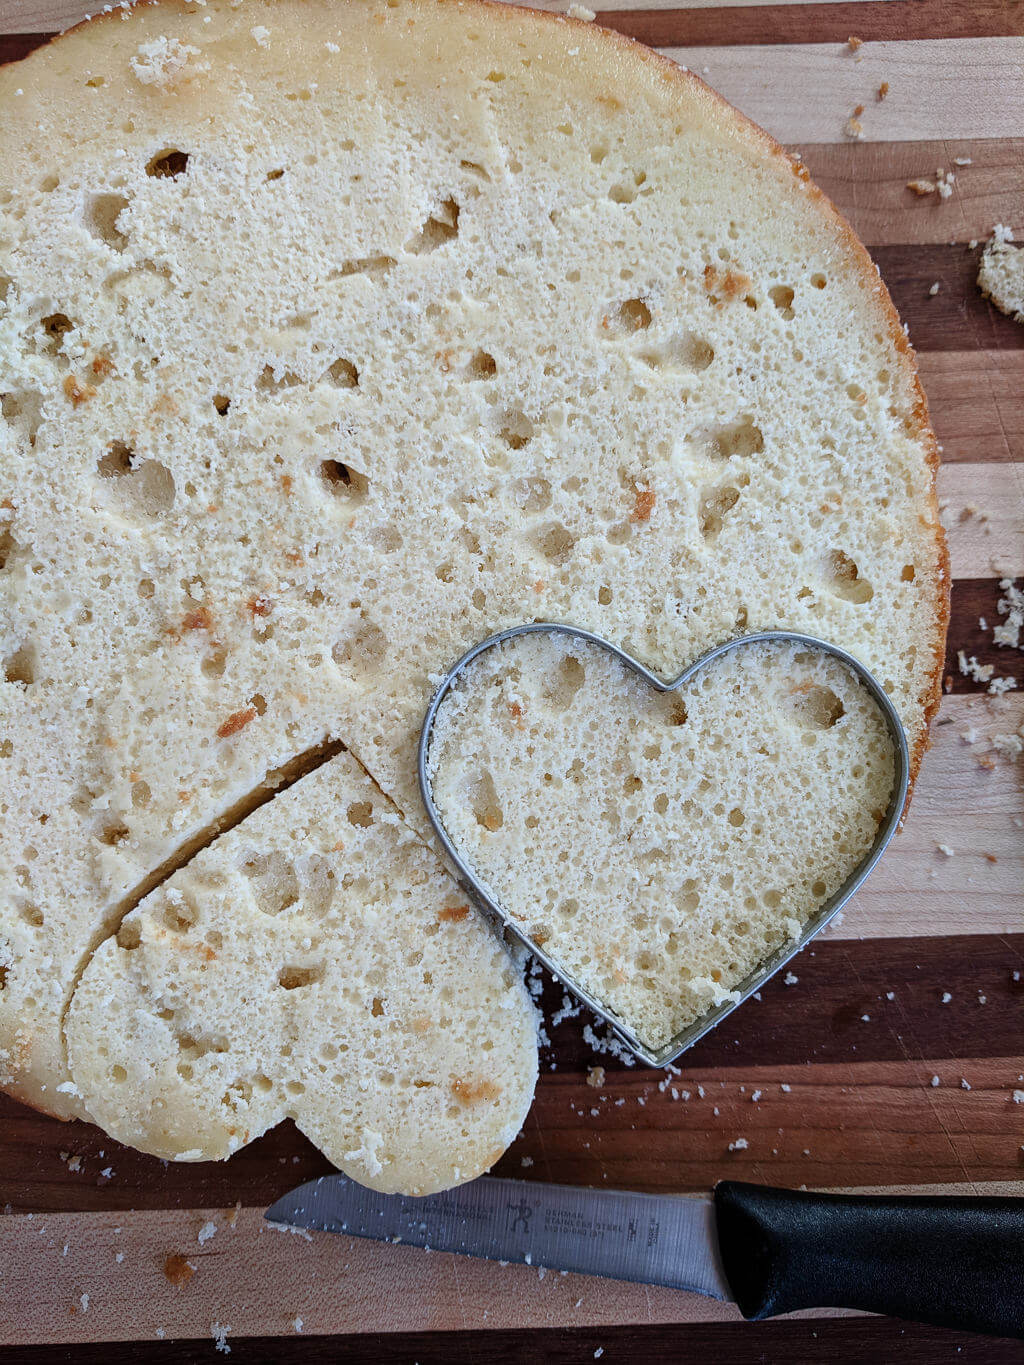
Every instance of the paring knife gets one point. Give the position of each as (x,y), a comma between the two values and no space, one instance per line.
(954,1262)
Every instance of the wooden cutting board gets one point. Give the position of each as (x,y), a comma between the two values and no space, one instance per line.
(892,1061)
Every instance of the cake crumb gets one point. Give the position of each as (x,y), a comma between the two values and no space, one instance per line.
(261,35)
(854,43)
(220,1335)
(206,1232)
(177,1270)
(934,289)
(790,979)
(883,91)
(739,1145)
(581,12)
(595,1076)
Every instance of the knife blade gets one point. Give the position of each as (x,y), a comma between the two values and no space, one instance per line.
(953,1261)
(653,1239)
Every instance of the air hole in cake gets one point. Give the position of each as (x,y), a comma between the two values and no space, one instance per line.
(816,707)
(445,572)
(215,662)
(56,326)
(633,315)
(843,579)
(741,437)
(485,805)
(31,914)
(20,666)
(482,365)
(117,462)
(180,915)
(908,573)
(532,494)
(622,194)
(604,596)
(118,1074)
(555,543)
(714,504)
(598,153)
(360,813)
(293,977)
(819,281)
(343,374)
(145,489)
(560,688)
(100,217)
(517,429)
(129,936)
(661,803)
(782,296)
(818,889)
(475,168)
(343,481)
(619,533)
(685,352)
(675,710)
(440,227)
(113,833)
(168,164)
(258,703)
(736,817)
(388,539)
(271,381)
(275,887)
(362,653)
(221,402)
(275,174)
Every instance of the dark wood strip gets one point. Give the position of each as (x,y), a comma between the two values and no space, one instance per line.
(14,46)
(870,20)
(818,1341)
(976,599)
(958,317)
(809,1033)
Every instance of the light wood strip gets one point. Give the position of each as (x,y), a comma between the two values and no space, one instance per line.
(983,512)
(977,404)
(51,16)
(918,890)
(967,88)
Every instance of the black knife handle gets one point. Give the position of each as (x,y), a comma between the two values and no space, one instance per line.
(954,1262)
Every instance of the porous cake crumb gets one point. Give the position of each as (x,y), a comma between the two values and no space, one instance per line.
(775,761)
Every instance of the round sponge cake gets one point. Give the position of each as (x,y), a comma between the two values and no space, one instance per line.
(333,338)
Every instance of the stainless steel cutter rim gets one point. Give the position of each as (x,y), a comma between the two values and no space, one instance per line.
(481,894)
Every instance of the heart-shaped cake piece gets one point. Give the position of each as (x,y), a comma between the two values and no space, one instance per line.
(659,846)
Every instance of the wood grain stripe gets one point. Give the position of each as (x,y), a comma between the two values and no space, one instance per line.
(983,512)
(867,181)
(872,21)
(710,21)
(969,88)
(255,1281)
(976,400)
(795,1340)
(852,1079)
(957,317)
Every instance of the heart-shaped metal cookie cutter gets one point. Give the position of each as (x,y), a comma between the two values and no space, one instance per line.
(480,894)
